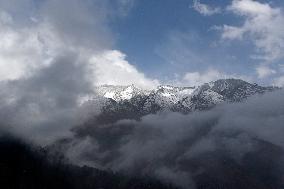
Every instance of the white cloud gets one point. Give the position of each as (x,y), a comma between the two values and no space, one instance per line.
(47,53)
(19,49)
(279,81)
(204,9)
(231,32)
(26,48)
(198,78)
(264,71)
(112,68)
(263,25)
(29,42)
(251,8)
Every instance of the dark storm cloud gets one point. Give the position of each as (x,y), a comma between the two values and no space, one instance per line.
(44,106)
(47,46)
(164,145)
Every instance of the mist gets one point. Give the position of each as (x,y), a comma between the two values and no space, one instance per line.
(176,148)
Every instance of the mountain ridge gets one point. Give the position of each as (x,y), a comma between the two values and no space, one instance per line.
(132,102)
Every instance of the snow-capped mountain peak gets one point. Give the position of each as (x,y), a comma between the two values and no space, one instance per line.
(131,101)
(120,93)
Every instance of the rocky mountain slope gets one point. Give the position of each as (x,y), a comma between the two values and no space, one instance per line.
(117,102)
(197,151)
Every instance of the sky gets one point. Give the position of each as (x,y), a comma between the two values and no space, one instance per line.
(169,39)
(147,43)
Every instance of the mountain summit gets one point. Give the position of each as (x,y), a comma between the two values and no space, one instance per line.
(133,102)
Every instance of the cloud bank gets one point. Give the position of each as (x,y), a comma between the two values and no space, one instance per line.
(112,68)
(175,147)
(51,57)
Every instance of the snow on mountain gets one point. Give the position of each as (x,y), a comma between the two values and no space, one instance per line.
(120,93)
(131,101)
(166,97)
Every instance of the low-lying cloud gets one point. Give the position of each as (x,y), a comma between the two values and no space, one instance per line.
(169,145)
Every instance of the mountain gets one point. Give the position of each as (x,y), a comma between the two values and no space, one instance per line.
(31,167)
(119,102)
(206,156)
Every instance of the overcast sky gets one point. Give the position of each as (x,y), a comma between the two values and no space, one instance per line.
(147,43)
